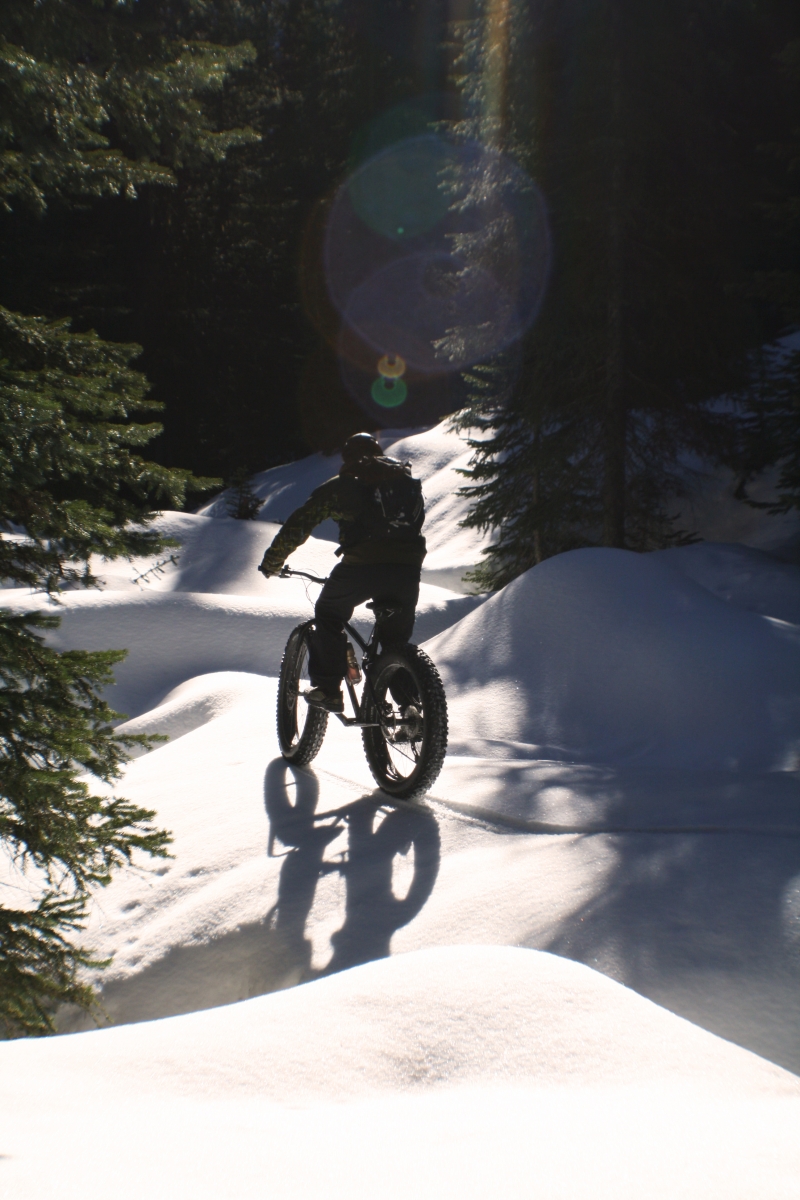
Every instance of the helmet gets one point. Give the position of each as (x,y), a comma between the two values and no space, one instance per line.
(360,445)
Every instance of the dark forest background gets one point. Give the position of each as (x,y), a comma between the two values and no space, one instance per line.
(206,275)
(665,139)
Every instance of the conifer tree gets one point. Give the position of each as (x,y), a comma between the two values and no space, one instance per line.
(102,97)
(626,126)
(97,98)
(72,485)
(241,502)
(771,433)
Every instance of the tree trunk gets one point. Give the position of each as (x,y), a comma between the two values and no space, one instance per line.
(615,415)
(537,533)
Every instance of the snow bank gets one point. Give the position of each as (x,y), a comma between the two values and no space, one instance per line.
(508,1072)
(199,701)
(173,637)
(608,656)
(462,1014)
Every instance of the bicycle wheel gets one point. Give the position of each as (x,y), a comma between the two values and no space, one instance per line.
(301,726)
(405,694)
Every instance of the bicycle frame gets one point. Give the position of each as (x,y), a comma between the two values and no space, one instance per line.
(367,648)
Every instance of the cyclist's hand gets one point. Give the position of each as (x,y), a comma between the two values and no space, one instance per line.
(268,567)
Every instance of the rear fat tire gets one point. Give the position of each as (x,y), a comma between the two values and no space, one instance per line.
(434,708)
(299,746)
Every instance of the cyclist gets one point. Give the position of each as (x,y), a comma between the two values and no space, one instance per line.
(379,507)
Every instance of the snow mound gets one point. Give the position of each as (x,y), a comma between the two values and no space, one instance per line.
(494,1064)
(173,637)
(199,701)
(746,577)
(460,1014)
(609,656)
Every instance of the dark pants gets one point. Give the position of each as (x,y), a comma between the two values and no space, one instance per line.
(347,587)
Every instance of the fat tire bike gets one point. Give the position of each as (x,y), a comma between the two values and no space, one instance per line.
(401,711)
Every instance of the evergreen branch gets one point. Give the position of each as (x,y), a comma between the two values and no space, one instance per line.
(39,967)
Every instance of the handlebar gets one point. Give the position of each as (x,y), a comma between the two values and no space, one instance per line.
(290,573)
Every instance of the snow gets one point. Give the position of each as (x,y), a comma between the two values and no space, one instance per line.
(745,576)
(572,972)
(713,513)
(175,635)
(711,510)
(610,656)
(476,1071)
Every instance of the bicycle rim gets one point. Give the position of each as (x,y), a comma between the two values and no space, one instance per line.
(301,727)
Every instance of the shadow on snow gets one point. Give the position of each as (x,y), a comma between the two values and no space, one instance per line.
(276,952)
(373,912)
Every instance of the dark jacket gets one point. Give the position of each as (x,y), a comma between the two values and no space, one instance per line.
(342,498)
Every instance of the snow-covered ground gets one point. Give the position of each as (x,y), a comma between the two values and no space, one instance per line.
(520,987)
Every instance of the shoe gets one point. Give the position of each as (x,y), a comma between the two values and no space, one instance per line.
(332,702)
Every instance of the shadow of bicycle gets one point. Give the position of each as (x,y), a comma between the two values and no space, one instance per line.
(387,864)
(389,868)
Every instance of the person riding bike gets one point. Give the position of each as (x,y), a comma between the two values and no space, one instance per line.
(379,507)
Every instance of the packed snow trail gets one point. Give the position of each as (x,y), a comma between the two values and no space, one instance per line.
(266,890)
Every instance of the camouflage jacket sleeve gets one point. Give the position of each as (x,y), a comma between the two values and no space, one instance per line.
(335,499)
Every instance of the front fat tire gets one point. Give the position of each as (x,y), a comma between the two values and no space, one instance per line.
(434,707)
(297,745)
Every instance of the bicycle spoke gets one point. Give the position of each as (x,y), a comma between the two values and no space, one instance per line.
(413,757)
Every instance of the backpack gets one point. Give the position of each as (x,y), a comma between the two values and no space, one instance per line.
(392,507)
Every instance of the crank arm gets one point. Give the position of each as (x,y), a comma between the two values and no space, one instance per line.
(355,722)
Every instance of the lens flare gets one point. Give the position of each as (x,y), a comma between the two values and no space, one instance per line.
(436,311)
(420,115)
(398,193)
(436,257)
(438,248)
(391,366)
(428,398)
(389,393)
